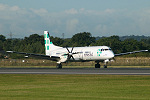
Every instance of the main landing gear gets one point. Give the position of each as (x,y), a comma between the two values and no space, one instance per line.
(97,65)
(59,66)
(105,66)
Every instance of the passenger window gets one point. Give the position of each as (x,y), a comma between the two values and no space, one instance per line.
(87,51)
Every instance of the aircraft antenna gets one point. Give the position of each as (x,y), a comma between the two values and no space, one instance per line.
(10,35)
(63,35)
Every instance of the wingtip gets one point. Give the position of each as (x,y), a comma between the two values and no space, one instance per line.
(8,51)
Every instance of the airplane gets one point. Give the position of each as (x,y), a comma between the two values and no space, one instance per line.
(76,54)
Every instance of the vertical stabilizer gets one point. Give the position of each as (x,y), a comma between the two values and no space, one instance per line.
(49,46)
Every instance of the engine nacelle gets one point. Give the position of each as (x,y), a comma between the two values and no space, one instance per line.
(106,61)
(62,59)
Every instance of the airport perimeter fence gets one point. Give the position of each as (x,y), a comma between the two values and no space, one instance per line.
(132,61)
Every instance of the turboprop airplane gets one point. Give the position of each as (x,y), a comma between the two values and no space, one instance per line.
(78,54)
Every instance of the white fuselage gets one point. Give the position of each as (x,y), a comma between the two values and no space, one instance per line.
(93,53)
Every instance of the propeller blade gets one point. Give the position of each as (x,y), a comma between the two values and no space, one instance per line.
(72,49)
(114,59)
(75,53)
(72,57)
(64,54)
(70,54)
(67,49)
(69,57)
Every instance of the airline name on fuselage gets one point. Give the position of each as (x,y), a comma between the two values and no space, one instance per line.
(88,54)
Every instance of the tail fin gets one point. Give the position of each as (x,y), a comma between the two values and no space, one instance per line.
(49,46)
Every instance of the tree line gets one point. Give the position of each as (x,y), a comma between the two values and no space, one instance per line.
(35,43)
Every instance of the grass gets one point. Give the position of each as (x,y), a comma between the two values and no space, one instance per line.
(120,61)
(73,87)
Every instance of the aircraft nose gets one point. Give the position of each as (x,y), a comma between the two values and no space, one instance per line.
(112,55)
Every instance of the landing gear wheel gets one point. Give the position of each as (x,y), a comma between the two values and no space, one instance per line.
(97,65)
(105,66)
(59,66)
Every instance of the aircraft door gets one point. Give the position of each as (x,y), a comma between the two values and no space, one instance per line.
(81,55)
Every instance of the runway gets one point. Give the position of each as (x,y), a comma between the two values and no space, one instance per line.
(65,71)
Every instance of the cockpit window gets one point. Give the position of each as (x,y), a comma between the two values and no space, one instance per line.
(105,49)
(102,49)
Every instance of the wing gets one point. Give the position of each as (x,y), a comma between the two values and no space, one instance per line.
(130,52)
(40,56)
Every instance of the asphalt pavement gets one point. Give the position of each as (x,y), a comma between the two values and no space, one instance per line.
(64,71)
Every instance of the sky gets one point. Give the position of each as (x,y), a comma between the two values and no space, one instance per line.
(99,17)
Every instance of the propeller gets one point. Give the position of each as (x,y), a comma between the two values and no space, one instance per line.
(70,53)
(4,54)
(113,59)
